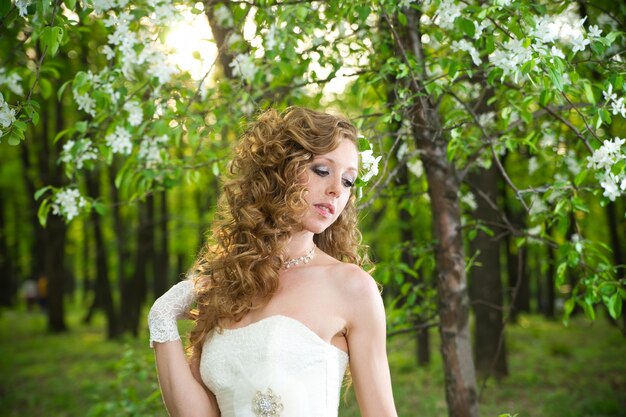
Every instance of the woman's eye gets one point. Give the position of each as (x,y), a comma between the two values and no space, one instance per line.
(348,183)
(320,171)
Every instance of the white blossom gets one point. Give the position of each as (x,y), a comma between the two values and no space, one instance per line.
(67,202)
(480,27)
(546,29)
(579,42)
(270,38)
(511,57)
(617,107)
(594,32)
(502,3)
(609,95)
(486,119)
(572,163)
(469,200)
(464,45)
(369,165)
(119,141)
(108,52)
(447,13)
(243,67)
(78,152)
(416,167)
(101,6)
(7,114)
(232,39)
(150,152)
(162,71)
(603,160)
(403,149)
(164,13)
(533,165)
(537,206)
(556,52)
(85,103)
(609,182)
(223,16)
(12,81)
(403,4)
(135,113)
(22,6)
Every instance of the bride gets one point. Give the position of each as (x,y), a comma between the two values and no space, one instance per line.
(282,306)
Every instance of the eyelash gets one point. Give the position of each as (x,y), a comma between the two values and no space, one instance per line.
(322,173)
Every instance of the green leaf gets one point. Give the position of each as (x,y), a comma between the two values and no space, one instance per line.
(14,139)
(42,212)
(364,12)
(579,204)
(546,97)
(560,274)
(590,312)
(589,93)
(580,177)
(568,307)
(614,305)
(466,26)
(62,88)
(50,39)
(402,19)
(41,191)
(71,4)
(100,208)
(46,88)
(556,78)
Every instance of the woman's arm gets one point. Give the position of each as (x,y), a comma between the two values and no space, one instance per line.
(367,342)
(183,393)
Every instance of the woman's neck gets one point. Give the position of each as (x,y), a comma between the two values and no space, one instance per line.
(299,244)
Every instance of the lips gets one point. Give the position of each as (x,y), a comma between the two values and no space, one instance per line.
(325,209)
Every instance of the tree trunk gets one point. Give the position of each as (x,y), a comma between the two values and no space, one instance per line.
(550,293)
(103,297)
(56,228)
(8,284)
(461,393)
(162,264)
(485,283)
(135,287)
(443,189)
(517,267)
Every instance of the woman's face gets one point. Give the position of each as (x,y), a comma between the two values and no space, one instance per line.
(329,181)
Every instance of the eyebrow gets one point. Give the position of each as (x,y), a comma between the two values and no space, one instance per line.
(332,161)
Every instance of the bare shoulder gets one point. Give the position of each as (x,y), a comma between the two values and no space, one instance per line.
(359,293)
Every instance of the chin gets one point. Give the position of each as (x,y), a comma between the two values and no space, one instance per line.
(317,227)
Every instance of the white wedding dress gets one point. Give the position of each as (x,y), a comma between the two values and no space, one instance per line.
(274,367)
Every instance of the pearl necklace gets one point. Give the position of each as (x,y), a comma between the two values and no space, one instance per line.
(303,259)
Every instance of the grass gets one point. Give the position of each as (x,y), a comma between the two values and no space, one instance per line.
(579,371)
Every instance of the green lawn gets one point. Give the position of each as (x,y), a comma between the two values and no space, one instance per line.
(578,371)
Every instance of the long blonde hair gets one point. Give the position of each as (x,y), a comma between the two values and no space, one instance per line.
(260,205)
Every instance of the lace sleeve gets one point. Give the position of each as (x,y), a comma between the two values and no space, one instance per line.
(167,309)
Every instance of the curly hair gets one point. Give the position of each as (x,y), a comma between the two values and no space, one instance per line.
(260,206)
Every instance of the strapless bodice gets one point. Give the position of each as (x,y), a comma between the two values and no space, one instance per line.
(273,367)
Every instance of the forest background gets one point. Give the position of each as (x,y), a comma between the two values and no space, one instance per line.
(494,172)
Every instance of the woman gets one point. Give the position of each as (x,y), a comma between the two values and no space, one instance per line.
(282,305)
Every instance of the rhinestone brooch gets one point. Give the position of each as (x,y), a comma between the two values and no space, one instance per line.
(267,404)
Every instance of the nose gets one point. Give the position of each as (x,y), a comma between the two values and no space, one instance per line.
(334,187)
